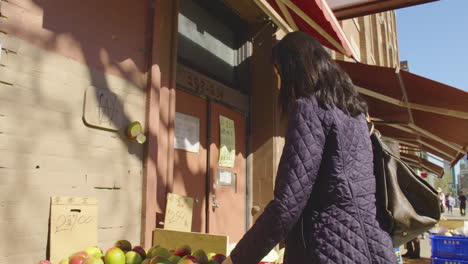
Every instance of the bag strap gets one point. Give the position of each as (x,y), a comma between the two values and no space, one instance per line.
(369,121)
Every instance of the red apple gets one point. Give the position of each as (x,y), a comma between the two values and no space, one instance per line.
(78,259)
(141,251)
(218,258)
(183,251)
(79,253)
(123,245)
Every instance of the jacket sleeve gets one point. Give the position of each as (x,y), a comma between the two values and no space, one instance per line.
(297,171)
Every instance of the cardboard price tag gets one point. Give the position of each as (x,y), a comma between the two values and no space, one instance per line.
(179,213)
(73,225)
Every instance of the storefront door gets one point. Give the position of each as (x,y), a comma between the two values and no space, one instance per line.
(227,195)
(220,193)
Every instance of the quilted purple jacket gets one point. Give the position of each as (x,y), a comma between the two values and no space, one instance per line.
(324,202)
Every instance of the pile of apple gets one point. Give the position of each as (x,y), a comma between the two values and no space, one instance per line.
(123,253)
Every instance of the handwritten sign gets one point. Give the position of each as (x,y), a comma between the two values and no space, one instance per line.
(179,213)
(73,225)
(187,132)
(112,110)
(227,150)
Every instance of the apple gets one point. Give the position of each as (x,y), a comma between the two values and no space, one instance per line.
(93,251)
(77,259)
(123,245)
(183,251)
(174,259)
(79,253)
(93,260)
(159,252)
(188,260)
(141,251)
(210,255)
(200,255)
(159,260)
(44,262)
(114,256)
(132,257)
(218,258)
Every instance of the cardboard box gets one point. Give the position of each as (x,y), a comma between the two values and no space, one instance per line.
(171,239)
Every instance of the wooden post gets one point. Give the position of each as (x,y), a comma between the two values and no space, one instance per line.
(159,158)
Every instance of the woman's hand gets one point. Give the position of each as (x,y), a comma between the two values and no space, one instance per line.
(227,261)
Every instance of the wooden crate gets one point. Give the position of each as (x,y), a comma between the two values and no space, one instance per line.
(170,239)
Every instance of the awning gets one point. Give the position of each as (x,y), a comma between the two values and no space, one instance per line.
(422,164)
(416,111)
(313,17)
(345,9)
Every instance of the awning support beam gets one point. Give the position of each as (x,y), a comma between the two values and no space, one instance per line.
(411,131)
(287,15)
(271,12)
(425,108)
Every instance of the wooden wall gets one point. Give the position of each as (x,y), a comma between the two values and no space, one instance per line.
(267,124)
(52,51)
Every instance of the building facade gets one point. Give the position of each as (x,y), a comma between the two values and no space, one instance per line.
(74,75)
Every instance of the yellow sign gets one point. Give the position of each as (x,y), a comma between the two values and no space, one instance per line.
(227,150)
(179,211)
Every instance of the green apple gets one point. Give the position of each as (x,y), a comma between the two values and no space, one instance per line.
(200,255)
(114,256)
(174,259)
(93,260)
(94,251)
(132,257)
(159,252)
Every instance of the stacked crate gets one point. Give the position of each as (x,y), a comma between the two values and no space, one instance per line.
(449,250)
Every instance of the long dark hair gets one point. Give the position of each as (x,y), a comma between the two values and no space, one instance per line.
(306,69)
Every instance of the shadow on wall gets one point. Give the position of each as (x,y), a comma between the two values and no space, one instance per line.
(110,38)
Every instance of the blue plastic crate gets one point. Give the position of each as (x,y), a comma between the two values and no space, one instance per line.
(446,247)
(448,261)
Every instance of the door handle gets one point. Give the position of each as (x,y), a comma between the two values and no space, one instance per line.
(215,205)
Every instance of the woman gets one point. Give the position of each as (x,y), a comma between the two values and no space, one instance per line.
(325,192)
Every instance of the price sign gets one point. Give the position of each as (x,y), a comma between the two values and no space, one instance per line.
(73,225)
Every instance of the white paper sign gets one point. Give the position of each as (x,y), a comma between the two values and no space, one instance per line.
(225,177)
(187,132)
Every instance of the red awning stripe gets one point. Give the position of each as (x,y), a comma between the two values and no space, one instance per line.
(312,17)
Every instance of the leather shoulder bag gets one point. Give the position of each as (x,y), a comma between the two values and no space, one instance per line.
(407,204)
